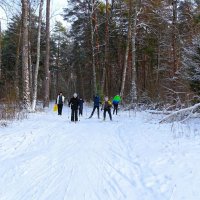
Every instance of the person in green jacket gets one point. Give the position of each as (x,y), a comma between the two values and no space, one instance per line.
(115,103)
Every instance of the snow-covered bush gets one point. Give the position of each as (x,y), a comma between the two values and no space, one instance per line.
(191,64)
(10,111)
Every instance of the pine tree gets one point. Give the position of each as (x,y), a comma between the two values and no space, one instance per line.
(47,73)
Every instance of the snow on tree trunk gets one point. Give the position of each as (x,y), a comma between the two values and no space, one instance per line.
(0,50)
(174,37)
(25,70)
(126,55)
(106,48)
(35,81)
(58,65)
(181,114)
(133,80)
(47,74)
(93,50)
(30,69)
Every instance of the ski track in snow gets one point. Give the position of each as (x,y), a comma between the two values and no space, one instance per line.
(47,158)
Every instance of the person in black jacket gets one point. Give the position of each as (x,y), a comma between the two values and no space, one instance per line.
(74,103)
(81,101)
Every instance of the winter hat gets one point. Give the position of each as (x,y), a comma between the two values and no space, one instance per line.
(75,95)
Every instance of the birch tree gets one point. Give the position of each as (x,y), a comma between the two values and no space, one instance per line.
(92,46)
(106,47)
(25,70)
(35,81)
(134,76)
(127,50)
(0,51)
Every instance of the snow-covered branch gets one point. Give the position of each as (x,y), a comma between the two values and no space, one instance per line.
(181,114)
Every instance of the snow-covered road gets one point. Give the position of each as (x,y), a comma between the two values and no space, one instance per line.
(45,157)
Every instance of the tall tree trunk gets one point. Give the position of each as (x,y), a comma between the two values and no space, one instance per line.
(17,64)
(46,81)
(126,54)
(134,75)
(25,71)
(0,51)
(93,49)
(106,49)
(174,37)
(30,66)
(35,81)
(81,81)
(54,82)
(58,66)
(175,50)
(158,66)
(96,38)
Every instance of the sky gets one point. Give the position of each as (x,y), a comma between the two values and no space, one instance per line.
(56,9)
(3,18)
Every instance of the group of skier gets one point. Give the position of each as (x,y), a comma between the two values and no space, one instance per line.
(76,104)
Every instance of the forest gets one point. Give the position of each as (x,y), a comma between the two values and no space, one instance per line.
(147,51)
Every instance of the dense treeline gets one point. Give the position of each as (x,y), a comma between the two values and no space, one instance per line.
(146,51)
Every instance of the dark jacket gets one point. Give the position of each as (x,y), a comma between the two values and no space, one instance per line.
(81,101)
(74,103)
(106,105)
(96,101)
(60,99)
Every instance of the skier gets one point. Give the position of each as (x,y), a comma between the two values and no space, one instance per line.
(74,103)
(97,103)
(59,101)
(81,101)
(106,106)
(115,103)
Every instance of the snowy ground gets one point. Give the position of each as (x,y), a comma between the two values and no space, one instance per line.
(45,157)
